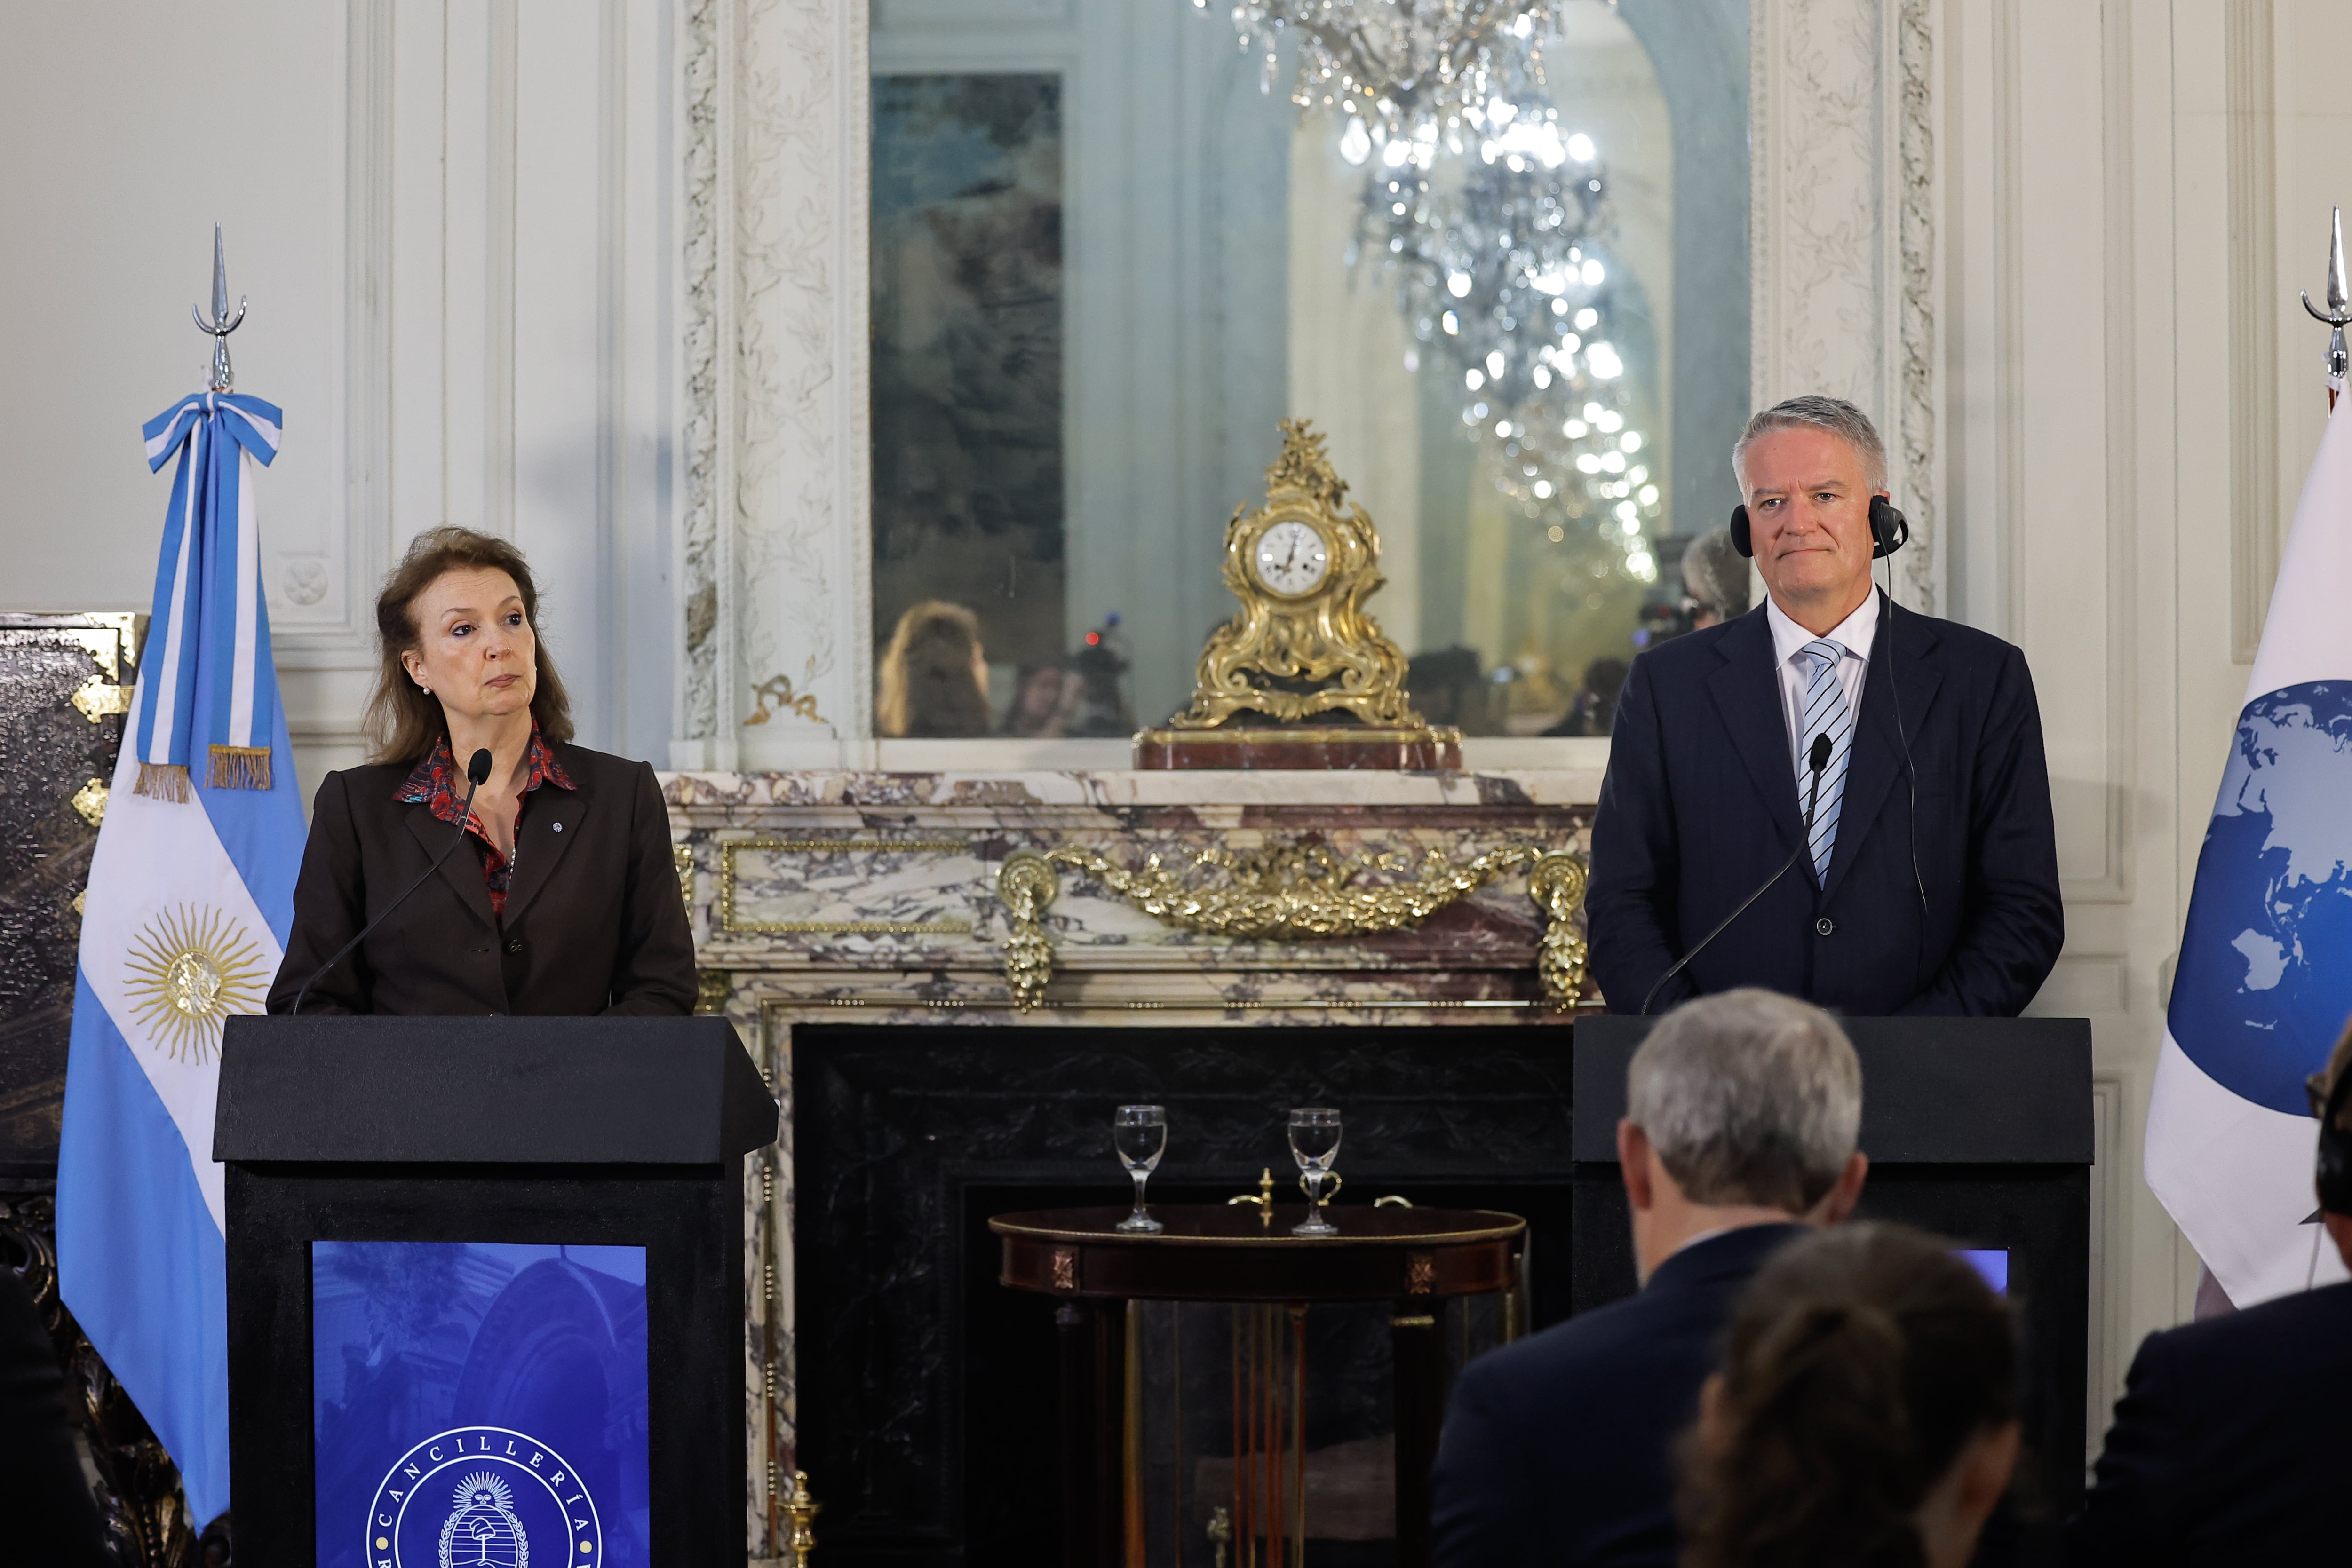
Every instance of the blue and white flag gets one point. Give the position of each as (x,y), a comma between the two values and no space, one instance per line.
(191,893)
(2265,981)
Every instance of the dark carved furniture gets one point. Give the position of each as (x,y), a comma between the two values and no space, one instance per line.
(1412,1257)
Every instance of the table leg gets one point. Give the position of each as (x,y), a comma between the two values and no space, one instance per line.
(1093,1337)
(1420,1360)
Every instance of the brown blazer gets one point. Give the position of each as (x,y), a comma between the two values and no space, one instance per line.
(595,922)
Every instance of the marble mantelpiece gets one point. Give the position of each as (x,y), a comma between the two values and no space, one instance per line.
(874,897)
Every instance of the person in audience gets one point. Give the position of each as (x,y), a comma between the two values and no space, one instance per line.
(934,676)
(1742,1111)
(1866,1413)
(2231,1439)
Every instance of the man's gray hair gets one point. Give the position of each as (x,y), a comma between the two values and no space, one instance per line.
(1814,412)
(1750,1098)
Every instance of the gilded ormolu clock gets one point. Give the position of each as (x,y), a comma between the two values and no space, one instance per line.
(1303,649)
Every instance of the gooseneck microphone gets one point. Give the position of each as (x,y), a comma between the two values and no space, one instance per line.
(1817,760)
(477,773)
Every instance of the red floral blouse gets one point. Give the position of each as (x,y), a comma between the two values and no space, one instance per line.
(434,783)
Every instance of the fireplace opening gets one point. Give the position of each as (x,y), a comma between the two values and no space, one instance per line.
(927,1393)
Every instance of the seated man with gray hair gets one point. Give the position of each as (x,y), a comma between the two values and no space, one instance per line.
(1742,1112)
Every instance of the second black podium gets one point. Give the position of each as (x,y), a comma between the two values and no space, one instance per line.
(1978,1129)
(485,1288)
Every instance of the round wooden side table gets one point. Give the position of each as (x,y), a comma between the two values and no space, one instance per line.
(1413,1258)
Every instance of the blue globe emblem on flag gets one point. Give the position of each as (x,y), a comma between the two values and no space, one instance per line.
(2265,983)
(483,1497)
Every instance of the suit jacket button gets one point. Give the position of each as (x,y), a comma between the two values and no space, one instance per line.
(515,944)
(1825,926)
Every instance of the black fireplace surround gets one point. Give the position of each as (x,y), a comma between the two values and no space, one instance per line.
(926,1399)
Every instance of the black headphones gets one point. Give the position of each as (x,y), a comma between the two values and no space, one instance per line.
(2334,1176)
(1889,531)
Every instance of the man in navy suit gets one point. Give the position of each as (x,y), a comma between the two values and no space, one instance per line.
(2231,1443)
(1741,1116)
(1920,866)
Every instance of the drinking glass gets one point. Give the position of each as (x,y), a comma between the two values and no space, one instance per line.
(1140,1135)
(1315,1143)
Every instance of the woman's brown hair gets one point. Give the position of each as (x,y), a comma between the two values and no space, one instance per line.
(925,684)
(406,722)
(1858,1364)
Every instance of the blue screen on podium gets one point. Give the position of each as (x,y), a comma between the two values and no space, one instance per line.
(1992,1263)
(478,1403)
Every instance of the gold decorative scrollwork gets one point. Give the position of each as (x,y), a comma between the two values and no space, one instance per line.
(713,988)
(1557,885)
(1319,652)
(1028,885)
(1290,892)
(1287,892)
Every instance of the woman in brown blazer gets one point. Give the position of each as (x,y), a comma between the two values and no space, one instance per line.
(562,898)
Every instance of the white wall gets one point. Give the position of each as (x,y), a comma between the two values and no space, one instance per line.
(454,222)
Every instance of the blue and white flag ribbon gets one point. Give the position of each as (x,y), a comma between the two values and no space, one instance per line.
(185,922)
(208,628)
(2264,982)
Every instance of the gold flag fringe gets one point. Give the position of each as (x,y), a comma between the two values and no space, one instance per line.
(240,768)
(163,781)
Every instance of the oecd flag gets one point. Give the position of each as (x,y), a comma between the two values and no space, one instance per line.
(191,893)
(2264,982)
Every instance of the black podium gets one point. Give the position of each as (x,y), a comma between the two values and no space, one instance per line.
(1978,1129)
(486,1286)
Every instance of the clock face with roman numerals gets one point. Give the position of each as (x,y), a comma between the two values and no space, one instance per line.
(1291,558)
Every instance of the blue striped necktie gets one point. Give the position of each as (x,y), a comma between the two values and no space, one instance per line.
(1825,713)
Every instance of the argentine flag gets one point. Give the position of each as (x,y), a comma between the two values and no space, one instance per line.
(191,893)
(2264,982)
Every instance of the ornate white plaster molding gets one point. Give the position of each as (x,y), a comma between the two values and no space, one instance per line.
(1845,275)
(705,578)
(775,507)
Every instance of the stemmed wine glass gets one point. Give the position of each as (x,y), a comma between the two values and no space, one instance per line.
(1140,1135)
(1315,1143)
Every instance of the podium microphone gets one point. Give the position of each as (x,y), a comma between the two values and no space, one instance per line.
(477,773)
(1817,760)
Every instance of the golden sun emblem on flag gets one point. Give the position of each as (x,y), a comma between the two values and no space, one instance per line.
(189,969)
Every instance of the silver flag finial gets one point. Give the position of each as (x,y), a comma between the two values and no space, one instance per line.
(222,323)
(2338,314)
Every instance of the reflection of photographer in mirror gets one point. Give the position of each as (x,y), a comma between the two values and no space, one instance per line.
(934,675)
(1594,708)
(1044,697)
(1715,578)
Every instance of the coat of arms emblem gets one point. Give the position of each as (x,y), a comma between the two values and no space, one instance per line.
(482,1531)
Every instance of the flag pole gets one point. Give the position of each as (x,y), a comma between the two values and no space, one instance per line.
(2337,315)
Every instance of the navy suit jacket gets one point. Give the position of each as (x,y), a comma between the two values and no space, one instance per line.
(1557,1449)
(1700,806)
(2233,1442)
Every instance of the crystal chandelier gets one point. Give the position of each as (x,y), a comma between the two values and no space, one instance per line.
(1495,258)
(1403,65)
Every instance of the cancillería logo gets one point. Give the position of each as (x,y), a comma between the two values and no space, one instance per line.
(483,1497)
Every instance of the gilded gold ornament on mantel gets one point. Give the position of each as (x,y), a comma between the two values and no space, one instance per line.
(1303,645)
(1291,893)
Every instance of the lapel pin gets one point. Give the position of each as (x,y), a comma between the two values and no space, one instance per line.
(559,827)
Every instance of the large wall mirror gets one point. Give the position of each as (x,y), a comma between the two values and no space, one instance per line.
(1111,251)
